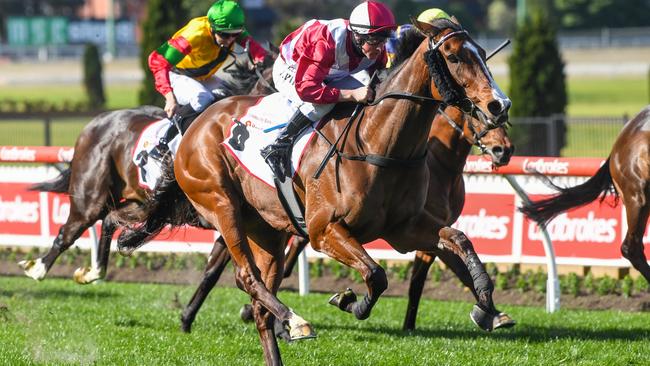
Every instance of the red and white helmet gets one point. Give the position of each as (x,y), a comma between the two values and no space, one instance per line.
(372,17)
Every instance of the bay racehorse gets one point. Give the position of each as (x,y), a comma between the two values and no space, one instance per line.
(103,179)
(351,202)
(626,174)
(445,199)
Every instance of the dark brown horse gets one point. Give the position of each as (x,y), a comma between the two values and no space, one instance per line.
(102,178)
(626,173)
(370,202)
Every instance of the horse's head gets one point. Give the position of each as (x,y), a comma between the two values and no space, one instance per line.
(493,142)
(459,73)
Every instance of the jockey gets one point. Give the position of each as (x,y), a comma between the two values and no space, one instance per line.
(184,67)
(315,67)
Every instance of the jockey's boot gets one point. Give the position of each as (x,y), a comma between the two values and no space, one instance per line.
(278,154)
(181,119)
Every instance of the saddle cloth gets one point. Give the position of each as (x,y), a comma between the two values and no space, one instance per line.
(146,158)
(258,128)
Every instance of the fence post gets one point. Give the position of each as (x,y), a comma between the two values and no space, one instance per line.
(551,136)
(552,281)
(48,131)
(303,273)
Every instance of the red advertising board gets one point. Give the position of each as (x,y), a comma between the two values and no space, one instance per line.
(487,220)
(591,231)
(20,210)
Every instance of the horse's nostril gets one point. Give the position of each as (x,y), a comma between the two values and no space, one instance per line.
(495,107)
(497,150)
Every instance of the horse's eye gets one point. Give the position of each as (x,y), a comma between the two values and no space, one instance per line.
(453,59)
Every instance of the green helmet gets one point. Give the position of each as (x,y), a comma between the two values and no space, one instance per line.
(226,15)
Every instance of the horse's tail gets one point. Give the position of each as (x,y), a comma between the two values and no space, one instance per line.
(545,210)
(167,205)
(58,185)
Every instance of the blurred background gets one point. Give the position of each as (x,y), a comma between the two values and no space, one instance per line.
(576,71)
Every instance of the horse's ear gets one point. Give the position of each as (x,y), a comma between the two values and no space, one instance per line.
(455,21)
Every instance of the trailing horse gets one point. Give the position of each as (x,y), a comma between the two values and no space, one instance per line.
(370,202)
(102,178)
(626,173)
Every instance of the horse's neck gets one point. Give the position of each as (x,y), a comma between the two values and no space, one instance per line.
(448,146)
(398,127)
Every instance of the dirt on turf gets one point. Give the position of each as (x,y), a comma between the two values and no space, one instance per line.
(448,288)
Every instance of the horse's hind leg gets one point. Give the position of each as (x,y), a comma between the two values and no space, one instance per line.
(86,275)
(85,209)
(298,244)
(269,258)
(222,210)
(637,209)
(219,258)
(337,242)
(483,313)
(421,266)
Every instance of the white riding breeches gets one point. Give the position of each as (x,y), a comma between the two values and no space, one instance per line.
(197,93)
(284,79)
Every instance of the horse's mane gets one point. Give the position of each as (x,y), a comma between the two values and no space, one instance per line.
(437,67)
(407,46)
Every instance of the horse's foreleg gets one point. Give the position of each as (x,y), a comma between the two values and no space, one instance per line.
(483,313)
(632,247)
(337,242)
(298,244)
(219,258)
(86,275)
(421,266)
(456,264)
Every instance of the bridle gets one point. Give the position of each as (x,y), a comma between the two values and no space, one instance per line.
(465,105)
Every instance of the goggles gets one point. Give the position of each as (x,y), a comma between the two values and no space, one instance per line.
(372,39)
(227,35)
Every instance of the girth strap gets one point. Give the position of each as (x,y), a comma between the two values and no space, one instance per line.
(384,161)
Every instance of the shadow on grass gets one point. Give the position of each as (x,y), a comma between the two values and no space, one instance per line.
(533,334)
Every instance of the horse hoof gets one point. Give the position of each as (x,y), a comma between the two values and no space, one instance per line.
(86,275)
(488,322)
(33,268)
(246,313)
(481,318)
(300,329)
(342,300)
(503,320)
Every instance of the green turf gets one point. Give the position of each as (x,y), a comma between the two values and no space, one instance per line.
(57,322)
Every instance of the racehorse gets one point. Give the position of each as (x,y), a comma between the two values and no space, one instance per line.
(626,174)
(445,199)
(370,202)
(102,177)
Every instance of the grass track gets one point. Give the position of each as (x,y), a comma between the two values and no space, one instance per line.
(58,322)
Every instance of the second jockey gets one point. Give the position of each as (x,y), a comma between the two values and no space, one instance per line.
(315,66)
(184,67)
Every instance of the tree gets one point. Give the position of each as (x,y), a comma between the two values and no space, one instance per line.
(537,80)
(92,80)
(164,18)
